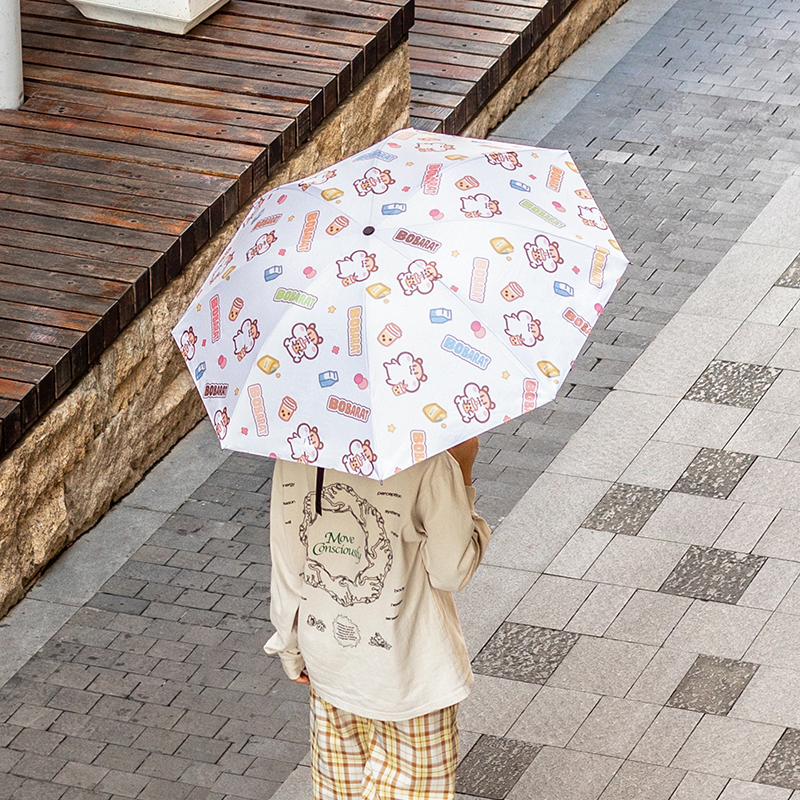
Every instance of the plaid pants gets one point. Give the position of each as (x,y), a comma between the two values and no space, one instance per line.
(354,758)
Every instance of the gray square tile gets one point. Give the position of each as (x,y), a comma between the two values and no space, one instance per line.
(560,774)
(614,727)
(642,781)
(665,737)
(523,652)
(648,618)
(494,704)
(551,602)
(747,790)
(553,716)
(782,765)
(624,509)
(733,748)
(493,766)
(732,383)
(714,473)
(721,629)
(706,573)
(712,685)
(791,275)
(602,666)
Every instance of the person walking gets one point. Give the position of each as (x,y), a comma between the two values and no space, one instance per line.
(361,599)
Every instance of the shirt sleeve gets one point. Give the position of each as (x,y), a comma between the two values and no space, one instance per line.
(288,562)
(455,537)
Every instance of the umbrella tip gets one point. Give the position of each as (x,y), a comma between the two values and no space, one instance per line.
(368,231)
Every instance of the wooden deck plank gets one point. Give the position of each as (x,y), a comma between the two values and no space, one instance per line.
(74,341)
(192,70)
(54,359)
(38,135)
(153,263)
(35,379)
(100,276)
(62,186)
(232,59)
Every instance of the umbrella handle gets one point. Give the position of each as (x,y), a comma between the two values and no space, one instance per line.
(320,479)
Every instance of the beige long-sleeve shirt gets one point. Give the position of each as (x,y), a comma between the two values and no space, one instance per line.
(361,594)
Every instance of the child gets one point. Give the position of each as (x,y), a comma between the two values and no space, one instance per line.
(362,575)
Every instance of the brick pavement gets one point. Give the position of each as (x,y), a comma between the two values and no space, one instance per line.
(683,143)
(157,687)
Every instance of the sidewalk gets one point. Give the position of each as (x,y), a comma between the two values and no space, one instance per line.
(635,627)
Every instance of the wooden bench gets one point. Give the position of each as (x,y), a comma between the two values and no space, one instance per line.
(462,51)
(134,147)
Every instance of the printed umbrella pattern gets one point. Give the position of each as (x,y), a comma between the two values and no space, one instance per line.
(400,302)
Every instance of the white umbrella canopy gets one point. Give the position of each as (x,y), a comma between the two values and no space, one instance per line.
(400,302)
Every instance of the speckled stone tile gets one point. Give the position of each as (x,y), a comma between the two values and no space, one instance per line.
(791,276)
(493,766)
(714,473)
(782,765)
(712,685)
(732,383)
(524,652)
(707,573)
(624,509)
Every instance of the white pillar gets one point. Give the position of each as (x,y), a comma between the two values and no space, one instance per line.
(11,94)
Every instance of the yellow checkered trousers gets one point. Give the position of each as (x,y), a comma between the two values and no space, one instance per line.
(355,758)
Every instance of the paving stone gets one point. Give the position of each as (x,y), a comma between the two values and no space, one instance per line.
(614,726)
(643,781)
(732,383)
(624,509)
(728,747)
(710,574)
(523,652)
(791,276)
(493,767)
(782,765)
(714,473)
(712,685)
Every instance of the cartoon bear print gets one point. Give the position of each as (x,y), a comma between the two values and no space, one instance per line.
(592,217)
(375,180)
(419,277)
(358,266)
(360,459)
(263,243)
(221,422)
(475,403)
(479,206)
(522,329)
(303,342)
(188,341)
(305,443)
(544,253)
(318,179)
(404,374)
(508,160)
(245,338)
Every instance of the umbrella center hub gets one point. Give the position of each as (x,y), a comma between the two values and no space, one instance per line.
(368,231)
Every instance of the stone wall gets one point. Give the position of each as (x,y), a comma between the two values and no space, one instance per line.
(138,400)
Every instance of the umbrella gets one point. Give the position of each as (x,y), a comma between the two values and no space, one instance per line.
(409,297)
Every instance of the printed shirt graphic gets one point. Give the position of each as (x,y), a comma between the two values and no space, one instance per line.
(361,594)
(348,553)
